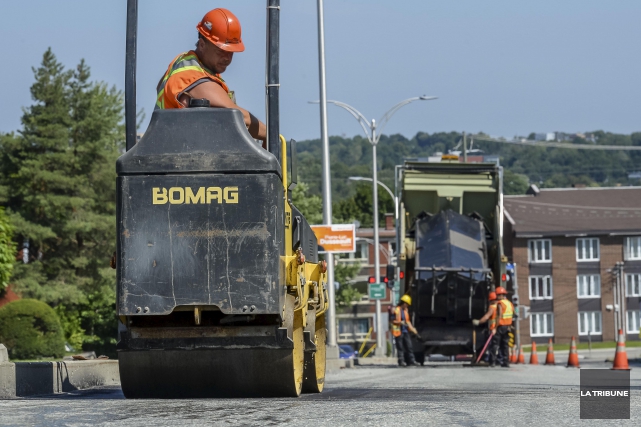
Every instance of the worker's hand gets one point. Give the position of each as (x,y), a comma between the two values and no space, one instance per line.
(475,322)
(493,332)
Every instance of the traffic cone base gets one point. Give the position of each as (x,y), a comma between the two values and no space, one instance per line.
(573,357)
(521,356)
(534,358)
(549,358)
(621,356)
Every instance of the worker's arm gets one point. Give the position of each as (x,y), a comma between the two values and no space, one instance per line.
(219,98)
(409,325)
(487,315)
(397,319)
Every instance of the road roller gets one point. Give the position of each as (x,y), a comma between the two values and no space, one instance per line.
(220,290)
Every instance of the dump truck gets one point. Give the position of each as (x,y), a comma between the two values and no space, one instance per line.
(220,291)
(451,249)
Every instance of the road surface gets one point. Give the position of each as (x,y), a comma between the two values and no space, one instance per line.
(438,394)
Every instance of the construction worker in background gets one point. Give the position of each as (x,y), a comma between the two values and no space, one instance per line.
(489,317)
(196,74)
(401,328)
(504,315)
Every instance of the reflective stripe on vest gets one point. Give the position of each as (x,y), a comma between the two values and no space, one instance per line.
(507,311)
(183,71)
(396,328)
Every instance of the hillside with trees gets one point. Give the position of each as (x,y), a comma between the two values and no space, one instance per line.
(523,165)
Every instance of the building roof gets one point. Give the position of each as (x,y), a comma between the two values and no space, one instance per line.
(575,211)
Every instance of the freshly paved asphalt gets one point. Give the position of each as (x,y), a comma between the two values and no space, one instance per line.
(438,394)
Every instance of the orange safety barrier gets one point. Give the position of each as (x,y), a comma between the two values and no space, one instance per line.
(534,358)
(573,357)
(621,356)
(549,358)
(521,358)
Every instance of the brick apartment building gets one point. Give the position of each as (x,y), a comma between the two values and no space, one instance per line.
(355,321)
(566,244)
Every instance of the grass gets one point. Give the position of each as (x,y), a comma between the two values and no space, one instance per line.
(581,346)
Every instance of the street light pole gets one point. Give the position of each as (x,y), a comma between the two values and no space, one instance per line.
(370,129)
(380,351)
(326,186)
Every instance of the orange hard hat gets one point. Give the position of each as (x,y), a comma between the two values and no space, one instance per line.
(492,296)
(222,28)
(501,291)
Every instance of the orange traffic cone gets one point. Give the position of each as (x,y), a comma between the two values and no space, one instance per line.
(513,355)
(573,357)
(549,359)
(621,357)
(521,358)
(534,358)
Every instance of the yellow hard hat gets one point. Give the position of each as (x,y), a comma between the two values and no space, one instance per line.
(407,299)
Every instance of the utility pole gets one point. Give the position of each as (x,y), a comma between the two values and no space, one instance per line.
(516,292)
(464,147)
(332,351)
(380,351)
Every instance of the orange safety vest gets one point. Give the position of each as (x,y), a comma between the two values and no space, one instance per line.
(396,324)
(507,311)
(185,70)
(491,323)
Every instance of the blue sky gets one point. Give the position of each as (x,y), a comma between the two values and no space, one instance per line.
(504,67)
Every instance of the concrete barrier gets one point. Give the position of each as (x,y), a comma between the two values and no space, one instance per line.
(373,361)
(34,378)
(7,375)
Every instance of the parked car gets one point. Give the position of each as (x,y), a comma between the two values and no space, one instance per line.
(346,351)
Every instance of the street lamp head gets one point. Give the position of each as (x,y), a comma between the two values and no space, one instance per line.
(355,178)
(427,98)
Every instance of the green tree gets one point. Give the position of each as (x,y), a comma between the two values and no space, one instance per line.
(7,251)
(310,206)
(514,183)
(58,176)
(30,329)
(360,206)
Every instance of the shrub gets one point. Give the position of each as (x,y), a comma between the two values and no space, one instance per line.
(29,329)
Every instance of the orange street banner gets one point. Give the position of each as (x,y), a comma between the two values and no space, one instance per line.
(336,238)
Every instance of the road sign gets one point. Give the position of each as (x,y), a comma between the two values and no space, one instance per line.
(376,290)
(336,238)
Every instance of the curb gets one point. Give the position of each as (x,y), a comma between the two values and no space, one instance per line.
(35,378)
(372,361)
(335,365)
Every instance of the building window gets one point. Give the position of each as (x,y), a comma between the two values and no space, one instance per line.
(589,321)
(633,285)
(633,248)
(588,286)
(540,287)
(540,250)
(353,329)
(587,249)
(361,253)
(541,324)
(634,322)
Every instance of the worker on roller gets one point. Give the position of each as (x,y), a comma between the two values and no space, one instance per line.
(501,339)
(401,328)
(490,318)
(197,74)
